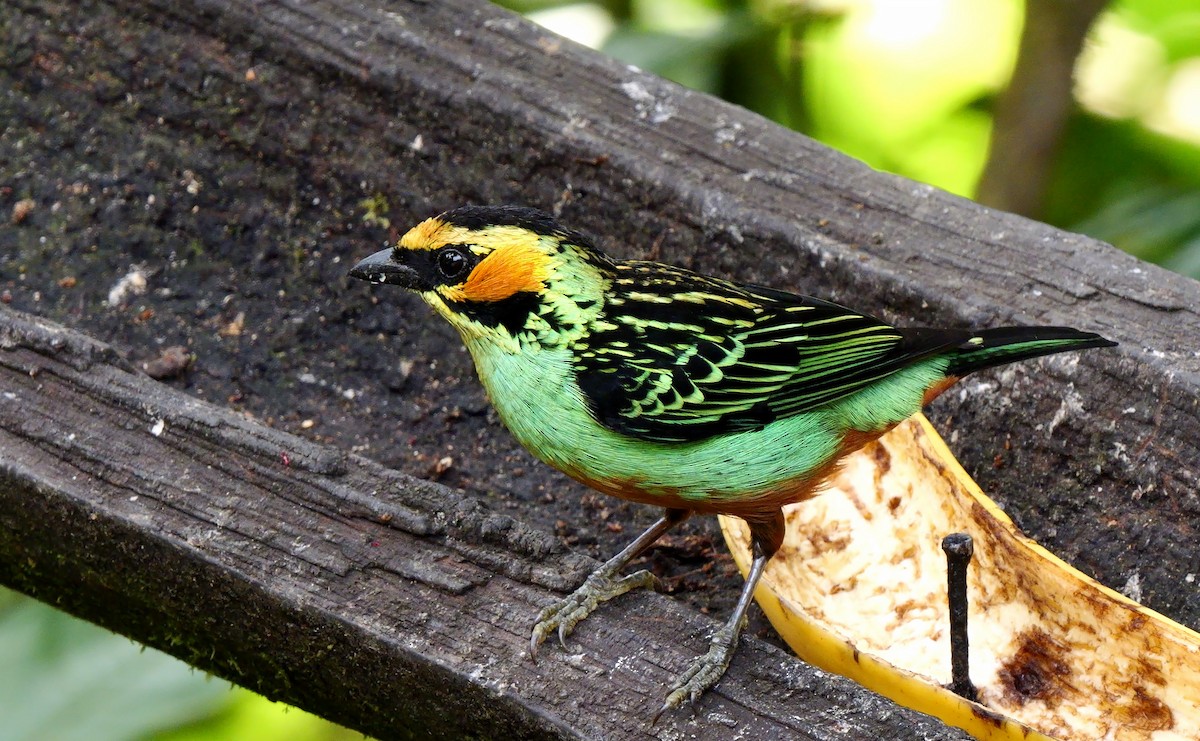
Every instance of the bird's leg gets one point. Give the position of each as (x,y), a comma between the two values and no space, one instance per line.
(602,585)
(766,537)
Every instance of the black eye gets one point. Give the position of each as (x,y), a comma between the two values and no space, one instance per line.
(452,263)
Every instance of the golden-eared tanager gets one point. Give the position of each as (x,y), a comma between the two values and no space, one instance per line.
(660,385)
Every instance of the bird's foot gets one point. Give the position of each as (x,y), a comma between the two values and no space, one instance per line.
(565,614)
(704,672)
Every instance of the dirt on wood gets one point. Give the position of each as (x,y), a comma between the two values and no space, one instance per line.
(226,278)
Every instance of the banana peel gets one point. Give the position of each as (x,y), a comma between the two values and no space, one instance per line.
(859,588)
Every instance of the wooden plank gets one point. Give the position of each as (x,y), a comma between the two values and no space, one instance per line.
(393,605)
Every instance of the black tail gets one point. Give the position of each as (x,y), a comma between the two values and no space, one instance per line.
(1002,345)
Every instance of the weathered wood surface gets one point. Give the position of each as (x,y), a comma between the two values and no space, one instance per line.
(396,606)
(441,103)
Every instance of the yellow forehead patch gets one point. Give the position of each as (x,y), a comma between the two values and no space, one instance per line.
(430,234)
(433,233)
(509,269)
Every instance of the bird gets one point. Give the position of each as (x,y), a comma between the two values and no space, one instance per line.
(675,389)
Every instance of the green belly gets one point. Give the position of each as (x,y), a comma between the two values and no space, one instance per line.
(536,396)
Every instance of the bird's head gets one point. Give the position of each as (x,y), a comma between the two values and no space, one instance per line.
(505,274)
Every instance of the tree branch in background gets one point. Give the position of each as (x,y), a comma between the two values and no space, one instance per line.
(1032,113)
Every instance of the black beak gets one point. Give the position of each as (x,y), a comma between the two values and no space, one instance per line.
(383,268)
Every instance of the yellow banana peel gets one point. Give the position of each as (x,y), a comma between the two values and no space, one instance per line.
(859,588)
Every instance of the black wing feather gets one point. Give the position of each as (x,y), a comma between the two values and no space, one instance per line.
(675,356)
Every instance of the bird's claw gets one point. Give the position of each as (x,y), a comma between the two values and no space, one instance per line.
(565,614)
(703,673)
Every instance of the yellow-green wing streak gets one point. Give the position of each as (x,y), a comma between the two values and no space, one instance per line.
(677,357)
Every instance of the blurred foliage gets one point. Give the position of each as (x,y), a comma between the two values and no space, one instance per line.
(68,680)
(907,86)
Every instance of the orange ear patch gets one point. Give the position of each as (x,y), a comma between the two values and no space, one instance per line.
(504,272)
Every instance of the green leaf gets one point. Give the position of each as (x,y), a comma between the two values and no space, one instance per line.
(68,680)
